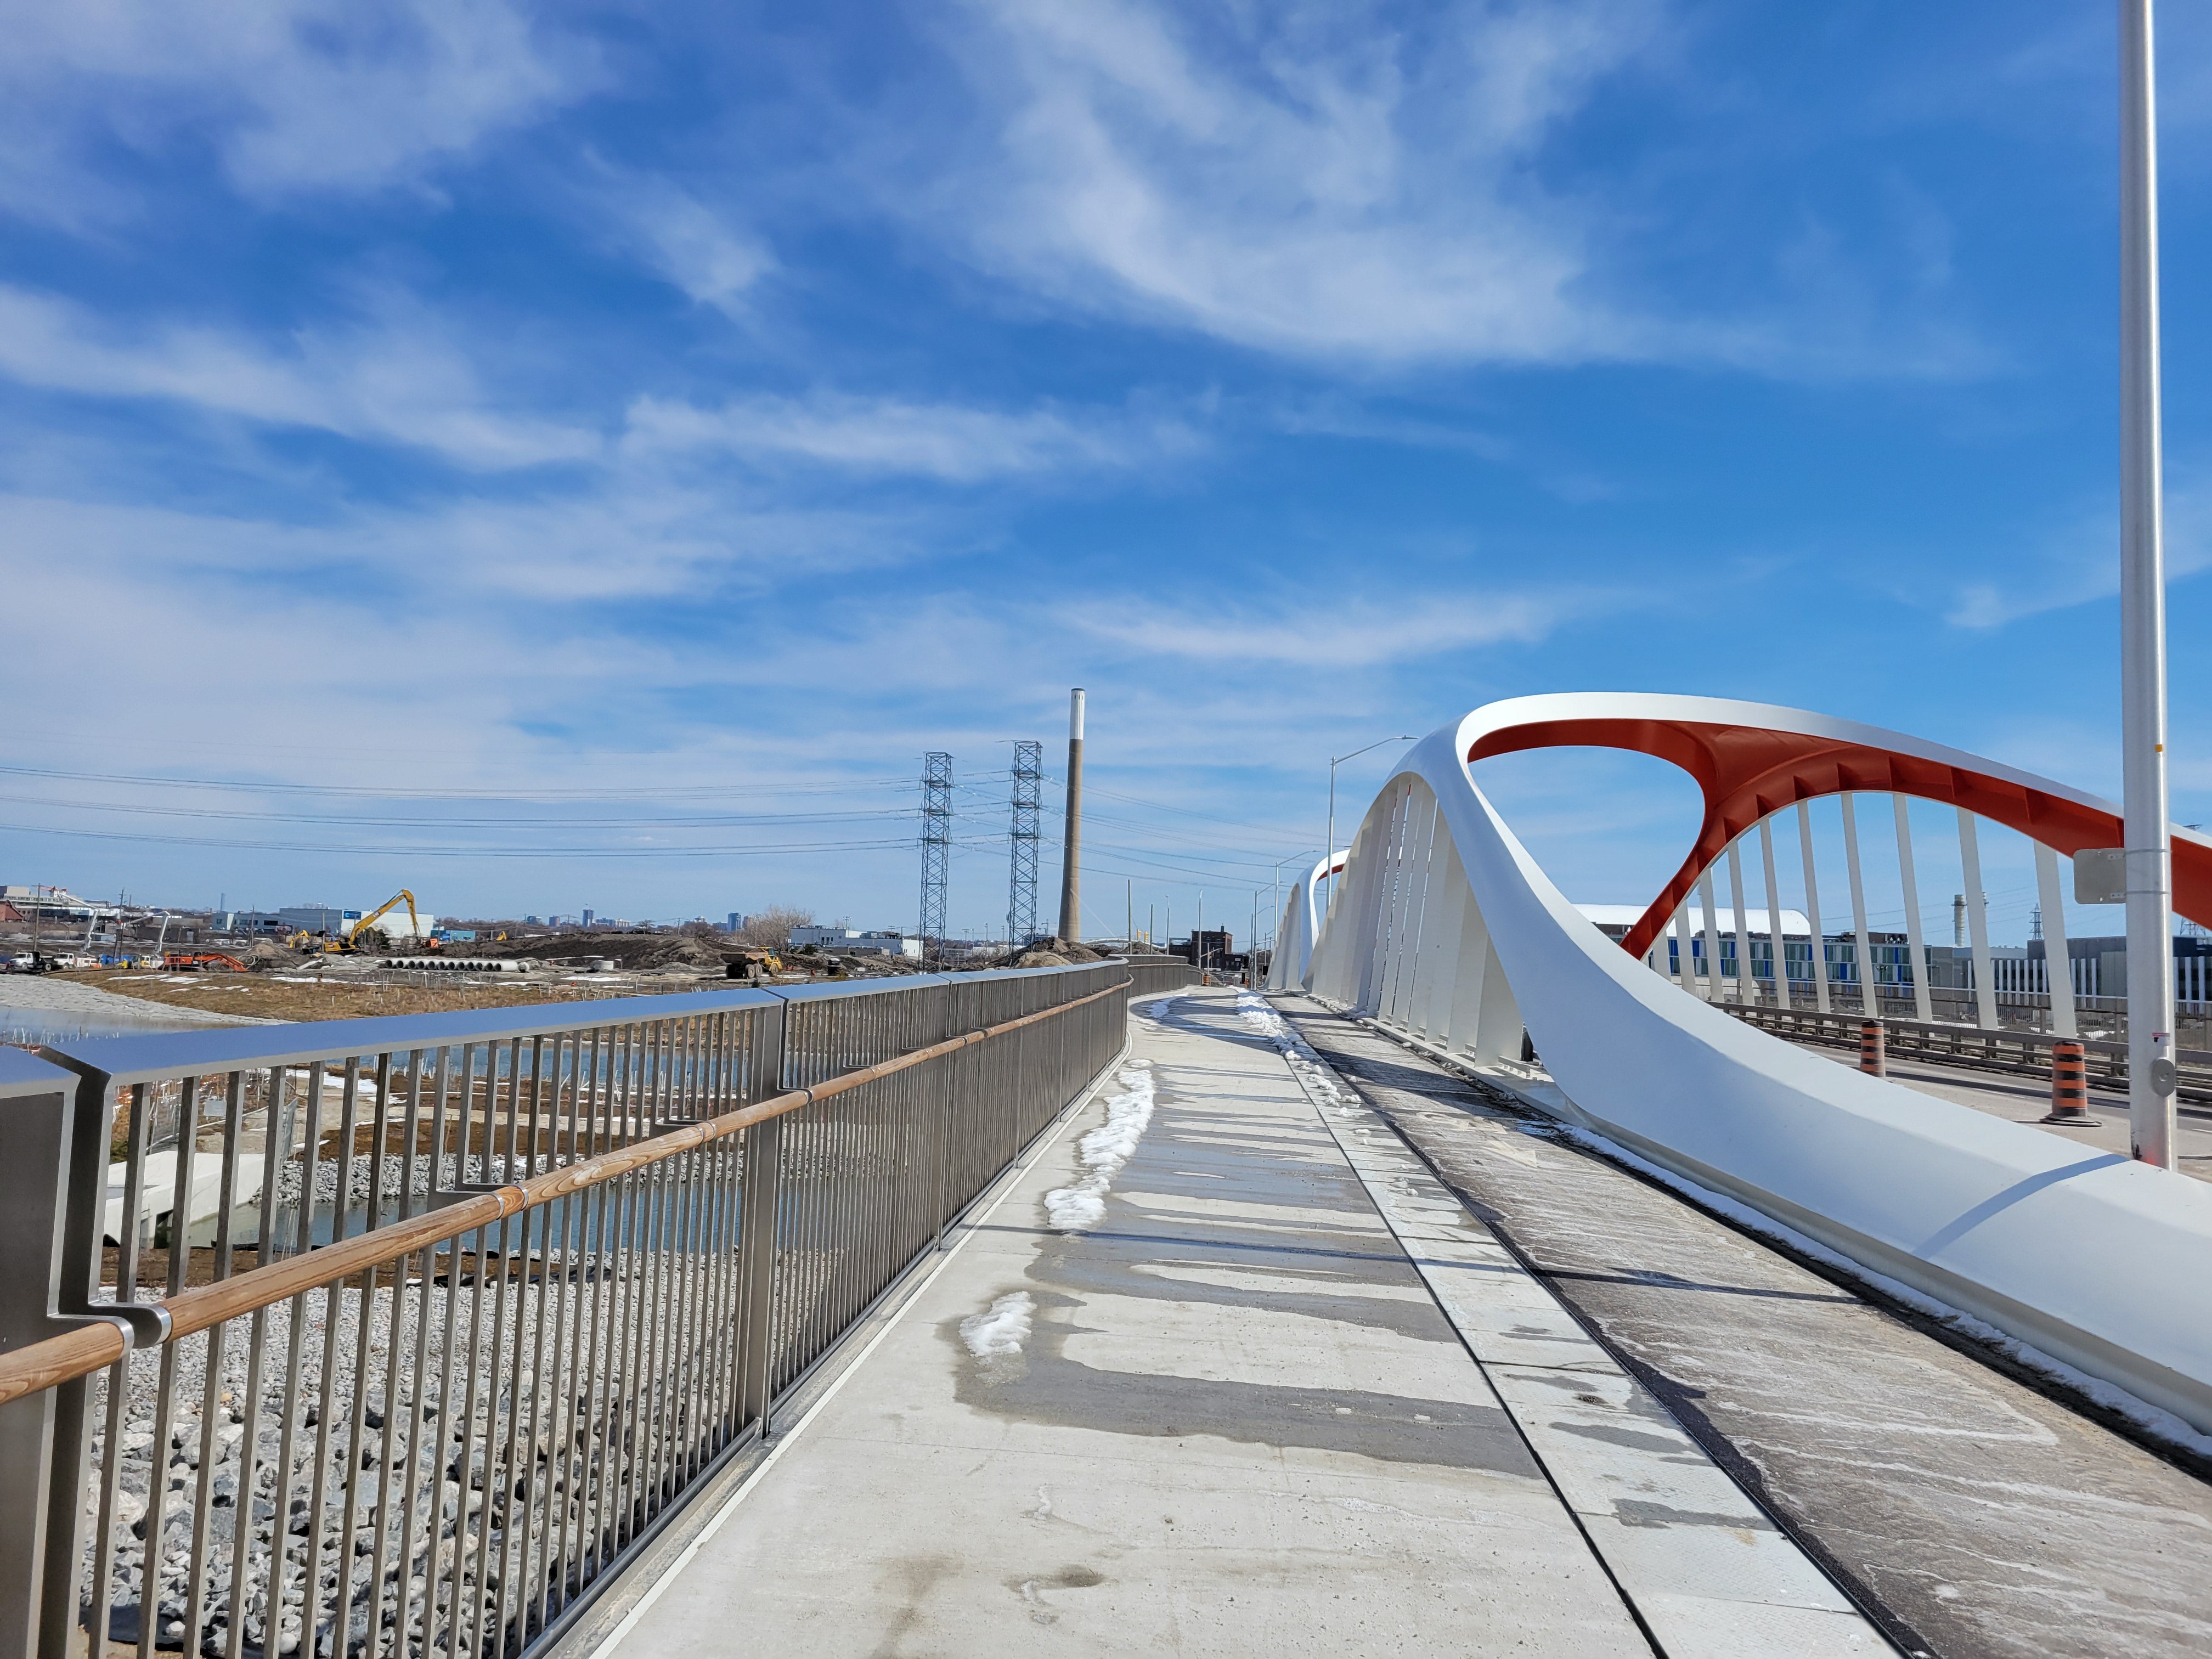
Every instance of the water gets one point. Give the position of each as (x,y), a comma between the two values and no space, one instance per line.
(24,1026)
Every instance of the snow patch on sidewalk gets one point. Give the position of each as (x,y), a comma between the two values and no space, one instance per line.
(1319,1082)
(1104,1152)
(1000,1329)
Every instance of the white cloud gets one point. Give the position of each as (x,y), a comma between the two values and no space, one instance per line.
(1321,183)
(699,249)
(292,95)
(886,436)
(1325,632)
(394,378)
(2080,562)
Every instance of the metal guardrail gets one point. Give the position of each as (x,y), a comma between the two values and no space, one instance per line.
(2008,1049)
(402,1336)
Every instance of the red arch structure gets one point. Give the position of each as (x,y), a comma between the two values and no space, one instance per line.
(1749,772)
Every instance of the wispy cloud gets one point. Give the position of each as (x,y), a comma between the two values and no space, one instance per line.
(292,95)
(699,248)
(2080,560)
(1317,181)
(891,437)
(389,378)
(1322,631)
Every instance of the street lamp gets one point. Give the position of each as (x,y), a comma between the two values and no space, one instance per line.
(1328,849)
(2149,853)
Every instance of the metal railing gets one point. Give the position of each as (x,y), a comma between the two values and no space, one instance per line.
(402,1336)
(2006,1048)
(1150,975)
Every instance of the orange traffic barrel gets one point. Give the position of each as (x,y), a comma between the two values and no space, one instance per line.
(2070,1086)
(1874,1058)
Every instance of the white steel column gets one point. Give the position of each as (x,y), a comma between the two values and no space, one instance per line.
(2057,965)
(1712,935)
(1462,1025)
(1774,929)
(1440,941)
(1746,982)
(1977,923)
(1685,964)
(1868,1000)
(1812,907)
(1909,879)
(2142,610)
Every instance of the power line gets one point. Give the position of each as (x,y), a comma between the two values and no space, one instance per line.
(821,786)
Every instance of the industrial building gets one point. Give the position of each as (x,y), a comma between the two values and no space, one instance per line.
(850,942)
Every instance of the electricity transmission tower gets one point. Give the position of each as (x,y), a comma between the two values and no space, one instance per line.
(1022,837)
(936,844)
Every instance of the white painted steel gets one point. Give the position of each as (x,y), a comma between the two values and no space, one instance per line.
(1869,1003)
(2057,963)
(2143,608)
(1915,946)
(2097,1260)
(1778,935)
(1978,922)
(1712,937)
(1812,907)
(1747,987)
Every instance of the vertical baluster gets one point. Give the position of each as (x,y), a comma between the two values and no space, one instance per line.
(1819,947)
(1978,922)
(1867,995)
(1778,935)
(2056,962)
(1908,878)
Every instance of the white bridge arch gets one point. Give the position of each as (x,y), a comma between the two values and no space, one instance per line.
(1443,929)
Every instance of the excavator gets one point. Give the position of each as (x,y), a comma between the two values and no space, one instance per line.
(366,928)
(355,942)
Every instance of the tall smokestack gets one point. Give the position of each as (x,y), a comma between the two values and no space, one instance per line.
(1071,880)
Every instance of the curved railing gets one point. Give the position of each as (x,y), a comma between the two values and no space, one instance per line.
(1444,929)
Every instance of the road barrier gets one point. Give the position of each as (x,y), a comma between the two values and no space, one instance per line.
(479,1300)
(2009,1048)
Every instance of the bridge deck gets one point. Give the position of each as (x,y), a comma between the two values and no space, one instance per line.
(1981,1516)
(1281,1394)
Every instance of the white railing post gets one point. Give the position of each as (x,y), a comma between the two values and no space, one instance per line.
(1977,923)
(1774,928)
(1869,1000)
(1923,1007)
(2057,961)
(1712,935)
(1746,982)
(1820,949)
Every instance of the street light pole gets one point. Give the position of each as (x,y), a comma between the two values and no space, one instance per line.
(1329,848)
(2142,611)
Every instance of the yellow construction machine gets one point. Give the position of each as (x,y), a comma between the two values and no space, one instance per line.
(367,926)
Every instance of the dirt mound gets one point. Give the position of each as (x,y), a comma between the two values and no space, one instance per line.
(1068,951)
(262,956)
(1041,959)
(683,951)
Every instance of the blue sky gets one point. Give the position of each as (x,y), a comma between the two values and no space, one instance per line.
(518,417)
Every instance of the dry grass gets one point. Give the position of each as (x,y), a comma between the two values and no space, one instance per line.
(268,998)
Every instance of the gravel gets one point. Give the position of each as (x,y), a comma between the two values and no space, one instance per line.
(435,1460)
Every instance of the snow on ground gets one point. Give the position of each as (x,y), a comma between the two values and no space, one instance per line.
(1306,1066)
(46,994)
(1002,1329)
(1104,1152)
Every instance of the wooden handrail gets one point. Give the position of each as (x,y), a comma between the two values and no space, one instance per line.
(64,1358)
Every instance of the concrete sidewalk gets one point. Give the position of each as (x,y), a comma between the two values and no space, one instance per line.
(1219,1408)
